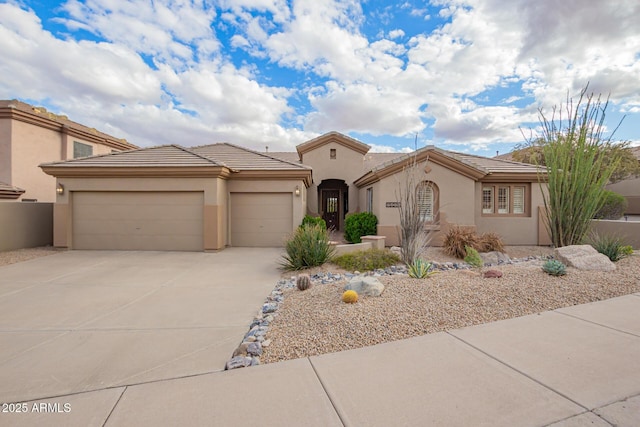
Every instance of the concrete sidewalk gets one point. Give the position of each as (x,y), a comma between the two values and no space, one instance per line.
(570,367)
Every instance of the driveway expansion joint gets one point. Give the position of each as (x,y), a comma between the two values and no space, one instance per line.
(519,371)
(573,316)
(324,388)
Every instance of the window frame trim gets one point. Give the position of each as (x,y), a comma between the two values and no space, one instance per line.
(526,199)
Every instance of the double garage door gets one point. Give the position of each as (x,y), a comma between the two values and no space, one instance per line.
(173,221)
(147,221)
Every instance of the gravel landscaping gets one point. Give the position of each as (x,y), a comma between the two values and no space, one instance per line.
(316,321)
(19,255)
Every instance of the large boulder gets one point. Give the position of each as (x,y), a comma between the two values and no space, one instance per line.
(583,257)
(365,286)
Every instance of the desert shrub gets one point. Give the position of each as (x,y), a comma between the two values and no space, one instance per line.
(626,250)
(366,260)
(613,207)
(420,269)
(307,247)
(360,224)
(457,238)
(609,245)
(308,219)
(553,267)
(489,242)
(473,257)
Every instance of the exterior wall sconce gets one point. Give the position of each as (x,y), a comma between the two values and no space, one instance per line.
(60,189)
(297,191)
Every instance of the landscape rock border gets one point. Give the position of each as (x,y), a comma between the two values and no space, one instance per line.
(259,327)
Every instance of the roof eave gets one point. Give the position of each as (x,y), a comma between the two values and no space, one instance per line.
(304,174)
(137,171)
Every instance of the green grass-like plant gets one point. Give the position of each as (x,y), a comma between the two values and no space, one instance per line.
(473,257)
(420,269)
(610,245)
(307,247)
(554,267)
(366,260)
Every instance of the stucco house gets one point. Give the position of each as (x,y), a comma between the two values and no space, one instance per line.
(630,189)
(210,197)
(30,136)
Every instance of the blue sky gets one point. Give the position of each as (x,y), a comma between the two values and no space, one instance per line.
(466,75)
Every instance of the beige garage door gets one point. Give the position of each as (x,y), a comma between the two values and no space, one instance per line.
(260,219)
(152,221)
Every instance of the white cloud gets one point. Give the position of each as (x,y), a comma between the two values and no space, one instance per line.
(407,82)
(395,34)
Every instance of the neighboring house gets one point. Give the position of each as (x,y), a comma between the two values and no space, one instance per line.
(630,189)
(210,197)
(30,136)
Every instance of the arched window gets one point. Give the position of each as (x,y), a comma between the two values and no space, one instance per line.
(427,199)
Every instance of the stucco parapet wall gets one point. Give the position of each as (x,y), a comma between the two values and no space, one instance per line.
(346,249)
(16,110)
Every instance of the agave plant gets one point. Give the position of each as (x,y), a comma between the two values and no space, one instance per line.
(421,269)
(554,267)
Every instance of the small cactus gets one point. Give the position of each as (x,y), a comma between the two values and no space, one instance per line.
(303,282)
(350,297)
(554,267)
(473,257)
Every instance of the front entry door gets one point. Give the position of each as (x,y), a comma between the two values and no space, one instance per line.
(331,208)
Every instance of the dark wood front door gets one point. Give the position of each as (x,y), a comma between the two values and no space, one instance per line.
(331,208)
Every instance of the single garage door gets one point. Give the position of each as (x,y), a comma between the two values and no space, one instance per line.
(148,221)
(260,219)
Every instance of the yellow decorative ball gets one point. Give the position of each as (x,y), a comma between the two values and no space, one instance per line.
(350,297)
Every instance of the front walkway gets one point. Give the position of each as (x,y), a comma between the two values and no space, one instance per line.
(574,366)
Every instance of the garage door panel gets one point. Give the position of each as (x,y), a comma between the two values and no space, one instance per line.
(261,219)
(138,220)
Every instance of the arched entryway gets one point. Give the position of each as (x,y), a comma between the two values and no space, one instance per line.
(333,201)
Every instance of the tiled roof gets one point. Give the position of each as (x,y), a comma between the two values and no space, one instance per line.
(491,165)
(290,156)
(240,158)
(41,114)
(371,160)
(9,191)
(162,156)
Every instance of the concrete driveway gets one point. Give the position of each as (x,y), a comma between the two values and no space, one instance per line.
(88,320)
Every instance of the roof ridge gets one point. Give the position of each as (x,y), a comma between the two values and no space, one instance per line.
(268,156)
(215,162)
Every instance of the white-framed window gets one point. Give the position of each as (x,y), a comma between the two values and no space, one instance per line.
(504,199)
(487,200)
(370,199)
(426,200)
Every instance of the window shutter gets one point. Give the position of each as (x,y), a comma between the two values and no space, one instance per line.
(425,202)
(518,200)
